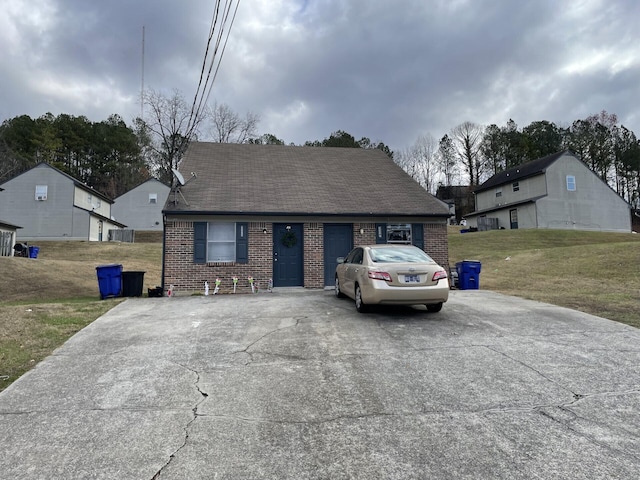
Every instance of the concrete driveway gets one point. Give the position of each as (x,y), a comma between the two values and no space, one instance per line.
(298,385)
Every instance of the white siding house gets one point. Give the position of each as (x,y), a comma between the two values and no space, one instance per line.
(51,205)
(558,191)
(141,207)
(7,238)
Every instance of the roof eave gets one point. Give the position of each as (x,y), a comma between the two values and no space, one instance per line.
(302,214)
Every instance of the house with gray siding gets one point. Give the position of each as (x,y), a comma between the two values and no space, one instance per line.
(52,205)
(557,191)
(141,207)
(282,215)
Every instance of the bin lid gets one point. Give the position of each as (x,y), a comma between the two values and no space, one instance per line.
(109,265)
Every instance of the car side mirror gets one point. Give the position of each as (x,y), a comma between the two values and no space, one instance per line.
(340,260)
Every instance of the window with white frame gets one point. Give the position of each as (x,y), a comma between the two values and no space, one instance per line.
(498,192)
(516,186)
(41,192)
(221,242)
(571,183)
(153,198)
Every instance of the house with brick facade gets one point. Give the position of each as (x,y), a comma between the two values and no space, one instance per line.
(281,215)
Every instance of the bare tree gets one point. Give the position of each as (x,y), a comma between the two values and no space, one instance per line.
(446,157)
(171,126)
(419,161)
(467,140)
(228,127)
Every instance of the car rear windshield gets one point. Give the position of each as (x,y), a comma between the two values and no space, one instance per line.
(399,255)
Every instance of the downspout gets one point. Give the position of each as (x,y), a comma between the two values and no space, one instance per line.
(164,234)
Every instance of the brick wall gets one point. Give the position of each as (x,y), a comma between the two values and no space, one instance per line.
(436,243)
(187,277)
(313,255)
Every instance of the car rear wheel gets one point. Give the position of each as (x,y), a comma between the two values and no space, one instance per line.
(338,293)
(434,307)
(360,305)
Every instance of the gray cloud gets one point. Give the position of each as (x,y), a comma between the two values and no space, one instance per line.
(390,71)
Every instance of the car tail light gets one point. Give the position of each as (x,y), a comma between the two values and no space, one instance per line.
(379,275)
(439,275)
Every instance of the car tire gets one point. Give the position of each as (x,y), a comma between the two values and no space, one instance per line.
(360,305)
(434,307)
(337,291)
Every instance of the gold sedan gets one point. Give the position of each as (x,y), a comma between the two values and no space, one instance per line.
(390,274)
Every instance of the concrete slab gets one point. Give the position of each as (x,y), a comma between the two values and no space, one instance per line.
(299,385)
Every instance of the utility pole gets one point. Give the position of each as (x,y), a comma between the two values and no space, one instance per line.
(142,80)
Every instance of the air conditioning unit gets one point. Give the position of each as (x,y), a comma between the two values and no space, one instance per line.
(41,198)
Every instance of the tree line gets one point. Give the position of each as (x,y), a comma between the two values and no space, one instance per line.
(471,153)
(113,157)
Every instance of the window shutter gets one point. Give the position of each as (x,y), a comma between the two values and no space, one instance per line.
(381,233)
(417,235)
(199,242)
(242,243)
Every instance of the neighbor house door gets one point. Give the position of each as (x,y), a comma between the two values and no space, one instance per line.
(513,214)
(338,241)
(288,261)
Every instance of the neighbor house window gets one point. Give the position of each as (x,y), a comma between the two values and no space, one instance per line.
(220,242)
(516,186)
(41,192)
(571,183)
(153,198)
(498,192)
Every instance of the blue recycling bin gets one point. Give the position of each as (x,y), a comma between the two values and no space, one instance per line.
(33,251)
(468,274)
(109,280)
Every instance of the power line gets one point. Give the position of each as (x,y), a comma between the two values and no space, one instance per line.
(223,18)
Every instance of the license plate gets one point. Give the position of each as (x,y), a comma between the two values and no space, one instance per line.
(412,279)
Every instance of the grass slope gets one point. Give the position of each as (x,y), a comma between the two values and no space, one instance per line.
(44,301)
(597,273)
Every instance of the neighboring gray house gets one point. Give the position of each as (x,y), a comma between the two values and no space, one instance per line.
(7,238)
(51,205)
(557,191)
(141,207)
(285,213)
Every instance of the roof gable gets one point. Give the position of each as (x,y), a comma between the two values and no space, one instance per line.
(529,169)
(75,181)
(276,179)
(161,186)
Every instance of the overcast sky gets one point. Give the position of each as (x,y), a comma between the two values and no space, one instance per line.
(388,70)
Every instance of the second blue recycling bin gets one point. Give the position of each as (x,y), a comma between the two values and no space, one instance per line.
(468,274)
(109,280)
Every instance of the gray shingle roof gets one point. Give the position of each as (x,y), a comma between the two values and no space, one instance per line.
(525,170)
(275,179)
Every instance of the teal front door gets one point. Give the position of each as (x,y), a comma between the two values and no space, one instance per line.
(338,241)
(288,261)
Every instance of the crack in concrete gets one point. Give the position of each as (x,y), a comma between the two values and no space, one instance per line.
(187,427)
(569,416)
(271,332)
(564,387)
(539,409)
